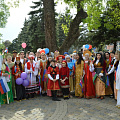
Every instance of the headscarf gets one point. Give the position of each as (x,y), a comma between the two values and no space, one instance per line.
(67,56)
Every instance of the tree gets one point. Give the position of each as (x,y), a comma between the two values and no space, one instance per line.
(49,19)
(62,27)
(7,43)
(4,10)
(74,32)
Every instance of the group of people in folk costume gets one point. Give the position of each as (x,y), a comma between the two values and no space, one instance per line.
(85,74)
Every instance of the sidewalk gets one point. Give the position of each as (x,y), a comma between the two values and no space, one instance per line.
(43,108)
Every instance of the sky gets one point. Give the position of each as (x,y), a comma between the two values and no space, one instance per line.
(17,17)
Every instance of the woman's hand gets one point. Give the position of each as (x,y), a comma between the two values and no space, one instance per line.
(54,80)
(16,74)
(29,72)
(107,74)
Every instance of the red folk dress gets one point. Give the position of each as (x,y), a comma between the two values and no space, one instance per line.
(88,81)
(53,71)
(64,72)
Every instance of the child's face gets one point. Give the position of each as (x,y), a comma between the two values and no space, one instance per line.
(50,59)
(64,64)
(52,63)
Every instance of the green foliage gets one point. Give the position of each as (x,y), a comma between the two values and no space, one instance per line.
(4,13)
(7,43)
(60,28)
(67,20)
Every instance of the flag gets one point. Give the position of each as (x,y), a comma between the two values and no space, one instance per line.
(82,85)
(6,50)
(3,86)
(45,76)
(94,78)
(107,81)
(1,89)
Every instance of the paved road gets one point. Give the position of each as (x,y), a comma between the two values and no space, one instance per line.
(43,108)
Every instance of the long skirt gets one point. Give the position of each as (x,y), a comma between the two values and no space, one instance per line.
(71,83)
(32,89)
(20,92)
(99,87)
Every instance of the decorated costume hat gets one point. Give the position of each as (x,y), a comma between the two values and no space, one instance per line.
(14,51)
(87,52)
(67,56)
(63,57)
(17,58)
(31,57)
(42,52)
(64,61)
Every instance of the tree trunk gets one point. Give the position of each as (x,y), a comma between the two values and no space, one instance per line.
(49,19)
(74,32)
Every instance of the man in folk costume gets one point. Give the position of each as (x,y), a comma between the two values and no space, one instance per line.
(14,55)
(22,60)
(111,72)
(107,57)
(64,78)
(43,65)
(89,89)
(32,71)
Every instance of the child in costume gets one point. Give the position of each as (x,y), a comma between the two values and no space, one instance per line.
(53,84)
(48,64)
(64,78)
(16,71)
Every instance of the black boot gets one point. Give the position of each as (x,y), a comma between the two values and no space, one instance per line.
(55,97)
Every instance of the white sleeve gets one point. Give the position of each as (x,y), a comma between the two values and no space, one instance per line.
(38,64)
(26,70)
(57,76)
(50,77)
(35,72)
(112,69)
(91,68)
